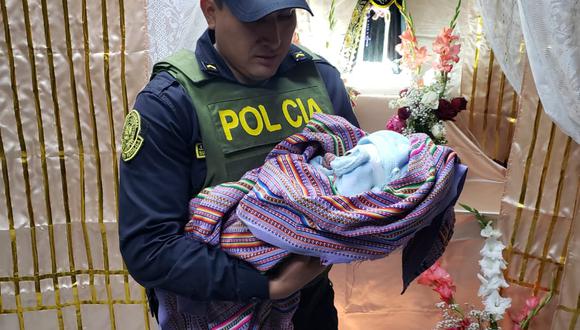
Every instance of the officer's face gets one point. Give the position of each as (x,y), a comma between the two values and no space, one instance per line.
(253,50)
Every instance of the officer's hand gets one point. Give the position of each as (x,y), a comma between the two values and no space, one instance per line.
(293,275)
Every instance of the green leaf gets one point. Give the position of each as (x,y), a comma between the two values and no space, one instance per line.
(454,19)
(481,219)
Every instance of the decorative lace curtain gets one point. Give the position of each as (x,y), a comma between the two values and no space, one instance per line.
(550,30)
(173,25)
(552,33)
(503,32)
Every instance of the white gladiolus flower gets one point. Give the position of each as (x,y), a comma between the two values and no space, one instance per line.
(489,285)
(430,99)
(491,267)
(492,249)
(496,305)
(483,289)
(491,276)
(488,231)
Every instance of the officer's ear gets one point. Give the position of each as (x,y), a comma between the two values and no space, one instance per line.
(209,9)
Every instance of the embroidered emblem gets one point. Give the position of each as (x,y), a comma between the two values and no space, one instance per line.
(199,151)
(131,141)
(211,67)
(298,56)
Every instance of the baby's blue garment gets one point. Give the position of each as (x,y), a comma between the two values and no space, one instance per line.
(317,162)
(378,159)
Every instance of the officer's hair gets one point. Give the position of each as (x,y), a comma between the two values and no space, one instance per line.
(218,3)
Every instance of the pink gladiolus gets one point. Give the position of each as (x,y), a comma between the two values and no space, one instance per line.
(396,124)
(436,276)
(428,277)
(408,42)
(407,36)
(412,56)
(441,282)
(530,304)
(445,292)
(447,51)
(413,59)
(445,37)
(419,58)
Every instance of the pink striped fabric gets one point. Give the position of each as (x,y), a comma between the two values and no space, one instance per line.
(287,206)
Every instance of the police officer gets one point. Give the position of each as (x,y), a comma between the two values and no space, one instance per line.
(205,118)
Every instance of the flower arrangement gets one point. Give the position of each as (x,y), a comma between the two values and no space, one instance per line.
(422,108)
(491,277)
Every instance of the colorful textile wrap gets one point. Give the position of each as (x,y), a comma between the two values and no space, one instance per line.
(288,206)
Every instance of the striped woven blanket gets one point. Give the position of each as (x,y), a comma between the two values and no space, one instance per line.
(287,206)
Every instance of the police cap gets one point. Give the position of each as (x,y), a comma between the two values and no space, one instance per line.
(253,10)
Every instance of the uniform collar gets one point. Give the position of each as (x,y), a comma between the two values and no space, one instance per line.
(211,62)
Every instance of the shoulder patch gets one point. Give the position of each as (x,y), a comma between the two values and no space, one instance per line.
(131,141)
(199,151)
(299,56)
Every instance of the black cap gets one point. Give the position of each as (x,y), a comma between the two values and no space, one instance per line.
(253,10)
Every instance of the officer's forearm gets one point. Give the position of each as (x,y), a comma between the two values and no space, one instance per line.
(191,269)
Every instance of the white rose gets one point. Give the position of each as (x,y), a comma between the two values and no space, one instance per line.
(438,130)
(430,100)
(405,102)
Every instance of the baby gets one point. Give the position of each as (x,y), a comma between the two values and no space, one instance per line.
(377,159)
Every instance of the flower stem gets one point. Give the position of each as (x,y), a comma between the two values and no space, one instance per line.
(526,323)
(459,312)
(492,323)
(444,77)
(456,308)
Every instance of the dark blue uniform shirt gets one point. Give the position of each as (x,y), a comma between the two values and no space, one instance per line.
(157,184)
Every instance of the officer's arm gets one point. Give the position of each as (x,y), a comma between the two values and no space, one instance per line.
(336,91)
(155,188)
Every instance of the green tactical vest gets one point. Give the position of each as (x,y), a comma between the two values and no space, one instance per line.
(241,124)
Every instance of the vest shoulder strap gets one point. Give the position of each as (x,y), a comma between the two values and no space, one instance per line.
(184,63)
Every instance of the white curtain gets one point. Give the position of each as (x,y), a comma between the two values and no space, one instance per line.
(503,32)
(173,25)
(550,30)
(552,33)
